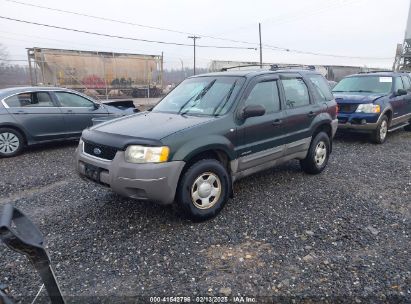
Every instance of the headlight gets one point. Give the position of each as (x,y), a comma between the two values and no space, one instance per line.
(368,108)
(141,154)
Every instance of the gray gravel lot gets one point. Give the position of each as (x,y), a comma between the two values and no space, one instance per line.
(341,236)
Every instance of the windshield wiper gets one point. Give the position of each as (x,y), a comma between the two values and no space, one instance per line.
(227,98)
(199,96)
(357,91)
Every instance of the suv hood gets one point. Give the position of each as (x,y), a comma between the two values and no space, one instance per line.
(150,125)
(356,98)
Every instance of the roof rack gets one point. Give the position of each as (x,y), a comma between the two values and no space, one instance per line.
(243,66)
(275,67)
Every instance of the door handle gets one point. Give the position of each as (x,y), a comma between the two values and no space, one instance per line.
(70,111)
(21,112)
(311,114)
(277,122)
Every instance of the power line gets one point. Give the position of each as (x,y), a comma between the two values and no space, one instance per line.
(122,37)
(266,46)
(123,22)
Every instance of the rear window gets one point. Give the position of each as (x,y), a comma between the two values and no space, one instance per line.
(322,87)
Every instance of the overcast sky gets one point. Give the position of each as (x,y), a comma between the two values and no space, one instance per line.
(364,28)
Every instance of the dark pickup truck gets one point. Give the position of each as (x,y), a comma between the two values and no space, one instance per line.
(210,131)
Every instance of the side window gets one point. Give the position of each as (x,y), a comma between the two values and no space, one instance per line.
(73,100)
(407,83)
(30,100)
(398,83)
(266,94)
(296,92)
(322,87)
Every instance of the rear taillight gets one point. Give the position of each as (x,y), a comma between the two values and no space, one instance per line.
(336,110)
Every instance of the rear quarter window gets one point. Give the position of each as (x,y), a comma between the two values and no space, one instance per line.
(321,87)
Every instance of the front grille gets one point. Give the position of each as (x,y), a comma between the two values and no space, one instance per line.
(342,120)
(100,151)
(347,108)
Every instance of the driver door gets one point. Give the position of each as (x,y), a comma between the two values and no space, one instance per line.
(263,136)
(398,103)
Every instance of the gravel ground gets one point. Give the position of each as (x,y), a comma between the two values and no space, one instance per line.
(341,236)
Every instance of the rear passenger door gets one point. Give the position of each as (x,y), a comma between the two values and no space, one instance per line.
(78,112)
(263,136)
(300,111)
(37,114)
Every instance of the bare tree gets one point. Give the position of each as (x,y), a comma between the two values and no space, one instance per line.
(3,54)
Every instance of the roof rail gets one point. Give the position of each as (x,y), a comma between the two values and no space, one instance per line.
(243,66)
(275,67)
(381,71)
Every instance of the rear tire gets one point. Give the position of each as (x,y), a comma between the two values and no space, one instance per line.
(204,189)
(379,136)
(11,142)
(318,154)
(408,128)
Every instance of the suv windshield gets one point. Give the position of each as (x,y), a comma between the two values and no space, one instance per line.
(201,96)
(366,84)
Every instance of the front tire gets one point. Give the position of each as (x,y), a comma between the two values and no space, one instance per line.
(204,189)
(379,136)
(318,154)
(11,142)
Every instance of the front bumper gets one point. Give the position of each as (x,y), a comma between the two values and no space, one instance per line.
(358,121)
(154,182)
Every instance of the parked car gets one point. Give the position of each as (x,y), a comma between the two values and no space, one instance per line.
(376,103)
(210,131)
(35,115)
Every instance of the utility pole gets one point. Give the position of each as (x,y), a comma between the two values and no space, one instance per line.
(261,46)
(194,44)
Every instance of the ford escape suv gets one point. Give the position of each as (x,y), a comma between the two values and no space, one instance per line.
(376,103)
(210,131)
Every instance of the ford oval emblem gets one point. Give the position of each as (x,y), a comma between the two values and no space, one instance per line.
(97,151)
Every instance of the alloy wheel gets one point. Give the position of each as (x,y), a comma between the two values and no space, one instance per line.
(9,143)
(320,153)
(206,190)
(383,130)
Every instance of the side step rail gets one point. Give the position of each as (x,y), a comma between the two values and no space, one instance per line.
(398,127)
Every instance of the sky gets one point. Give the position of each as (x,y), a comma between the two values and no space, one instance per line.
(358,28)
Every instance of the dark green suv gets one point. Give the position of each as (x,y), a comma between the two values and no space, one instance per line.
(210,131)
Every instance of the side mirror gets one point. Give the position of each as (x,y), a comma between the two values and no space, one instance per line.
(19,233)
(401,92)
(252,111)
